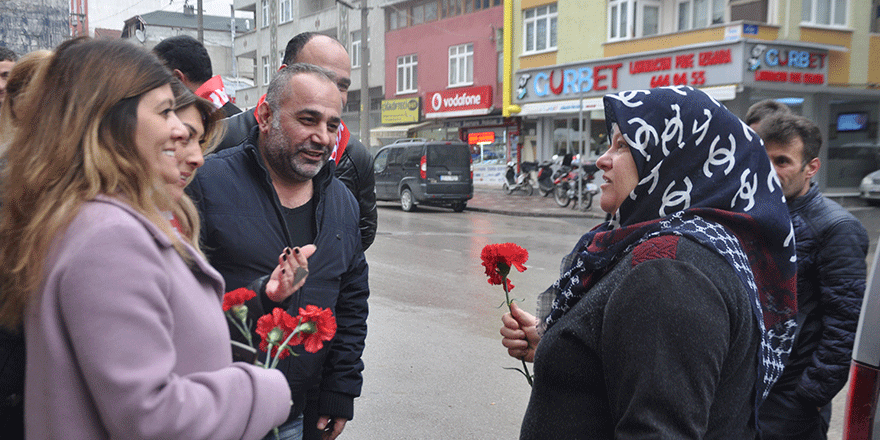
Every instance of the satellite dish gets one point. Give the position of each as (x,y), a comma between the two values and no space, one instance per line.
(139,34)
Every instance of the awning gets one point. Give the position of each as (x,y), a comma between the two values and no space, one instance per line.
(395,131)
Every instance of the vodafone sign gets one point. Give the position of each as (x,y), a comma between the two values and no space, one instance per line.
(467,101)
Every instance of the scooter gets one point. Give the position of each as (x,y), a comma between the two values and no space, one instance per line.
(545,178)
(521,182)
(567,187)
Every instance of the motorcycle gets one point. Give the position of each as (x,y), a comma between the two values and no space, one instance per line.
(546,179)
(521,182)
(567,187)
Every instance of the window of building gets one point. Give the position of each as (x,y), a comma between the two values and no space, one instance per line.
(461,65)
(424,12)
(356,49)
(265,16)
(396,19)
(824,12)
(540,29)
(697,14)
(450,8)
(407,74)
(633,19)
(285,11)
(307,7)
(266,70)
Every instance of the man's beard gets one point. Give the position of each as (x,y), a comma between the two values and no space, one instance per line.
(283,158)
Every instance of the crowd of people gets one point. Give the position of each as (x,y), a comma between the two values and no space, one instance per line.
(719,299)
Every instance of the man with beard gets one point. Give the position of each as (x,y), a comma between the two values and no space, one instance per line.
(276,191)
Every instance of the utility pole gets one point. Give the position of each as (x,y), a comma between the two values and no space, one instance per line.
(201,23)
(365,76)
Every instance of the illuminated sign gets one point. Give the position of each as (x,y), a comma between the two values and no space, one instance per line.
(464,101)
(483,137)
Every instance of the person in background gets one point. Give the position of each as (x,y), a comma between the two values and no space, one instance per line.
(277,191)
(190,63)
(354,163)
(831,249)
(761,110)
(7,61)
(672,319)
(123,325)
(12,347)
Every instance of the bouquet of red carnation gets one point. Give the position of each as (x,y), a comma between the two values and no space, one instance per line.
(498,259)
(280,331)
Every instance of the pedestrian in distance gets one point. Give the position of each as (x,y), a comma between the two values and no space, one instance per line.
(672,319)
(763,109)
(832,246)
(277,191)
(124,331)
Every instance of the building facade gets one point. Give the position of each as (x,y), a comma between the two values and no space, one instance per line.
(443,79)
(150,28)
(821,57)
(277,21)
(29,25)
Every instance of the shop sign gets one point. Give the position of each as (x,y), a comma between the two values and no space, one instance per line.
(714,65)
(401,111)
(770,63)
(483,137)
(467,101)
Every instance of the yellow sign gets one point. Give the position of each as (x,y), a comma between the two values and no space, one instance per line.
(401,111)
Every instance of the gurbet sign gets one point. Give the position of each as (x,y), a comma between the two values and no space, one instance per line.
(706,66)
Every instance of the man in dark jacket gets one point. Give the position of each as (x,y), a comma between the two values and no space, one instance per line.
(354,163)
(277,190)
(831,250)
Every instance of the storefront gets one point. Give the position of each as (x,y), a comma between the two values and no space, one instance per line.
(562,107)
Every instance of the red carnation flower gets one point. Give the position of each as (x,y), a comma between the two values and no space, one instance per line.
(499,258)
(237,298)
(274,328)
(316,326)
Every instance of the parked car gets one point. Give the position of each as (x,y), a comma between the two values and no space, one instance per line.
(869,189)
(427,172)
(861,420)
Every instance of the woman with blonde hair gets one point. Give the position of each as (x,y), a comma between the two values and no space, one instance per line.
(125,334)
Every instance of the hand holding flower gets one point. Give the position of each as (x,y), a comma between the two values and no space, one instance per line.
(520,333)
(290,274)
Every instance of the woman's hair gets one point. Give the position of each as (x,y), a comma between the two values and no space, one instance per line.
(215,129)
(82,117)
(16,86)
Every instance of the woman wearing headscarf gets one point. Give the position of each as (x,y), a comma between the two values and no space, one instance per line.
(674,318)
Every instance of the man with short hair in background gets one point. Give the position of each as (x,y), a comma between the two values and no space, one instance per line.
(831,249)
(190,63)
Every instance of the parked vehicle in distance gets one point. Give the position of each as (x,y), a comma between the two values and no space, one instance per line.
(427,172)
(577,186)
(869,189)
(519,182)
(861,419)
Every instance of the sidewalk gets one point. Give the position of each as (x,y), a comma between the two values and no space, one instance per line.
(495,200)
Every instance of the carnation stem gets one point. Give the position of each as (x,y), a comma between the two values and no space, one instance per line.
(283,345)
(522,359)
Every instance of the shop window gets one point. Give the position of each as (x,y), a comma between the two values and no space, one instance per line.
(824,12)
(540,29)
(461,65)
(697,14)
(407,74)
(633,19)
